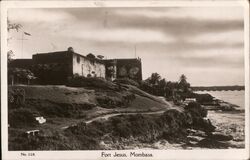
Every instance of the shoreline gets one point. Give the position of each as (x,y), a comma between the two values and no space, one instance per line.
(195,136)
(229,122)
(177,127)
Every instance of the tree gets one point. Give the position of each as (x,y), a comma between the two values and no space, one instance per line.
(162,83)
(20,74)
(183,79)
(10,54)
(12,26)
(154,79)
(15,26)
(183,84)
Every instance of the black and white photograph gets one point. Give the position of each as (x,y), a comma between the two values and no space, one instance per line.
(138,78)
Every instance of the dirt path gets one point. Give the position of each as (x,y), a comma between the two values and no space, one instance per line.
(107,116)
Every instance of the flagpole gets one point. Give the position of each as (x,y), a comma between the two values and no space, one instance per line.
(22,39)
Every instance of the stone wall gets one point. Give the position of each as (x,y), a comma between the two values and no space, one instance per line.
(21,63)
(53,68)
(84,66)
(111,69)
(58,67)
(129,68)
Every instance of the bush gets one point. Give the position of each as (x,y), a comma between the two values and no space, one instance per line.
(92,82)
(56,109)
(147,87)
(204,98)
(22,117)
(127,81)
(173,121)
(198,113)
(109,102)
(16,98)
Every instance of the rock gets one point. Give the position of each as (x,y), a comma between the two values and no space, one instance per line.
(226,107)
(211,143)
(199,133)
(220,137)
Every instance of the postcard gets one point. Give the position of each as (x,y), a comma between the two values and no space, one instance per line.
(125,80)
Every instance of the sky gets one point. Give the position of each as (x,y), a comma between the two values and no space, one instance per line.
(204,43)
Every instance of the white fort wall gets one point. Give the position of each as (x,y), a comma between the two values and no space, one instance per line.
(83,67)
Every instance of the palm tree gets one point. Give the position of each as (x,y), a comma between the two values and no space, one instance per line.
(183,79)
(183,84)
(155,78)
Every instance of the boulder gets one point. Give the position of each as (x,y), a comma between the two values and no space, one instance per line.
(220,137)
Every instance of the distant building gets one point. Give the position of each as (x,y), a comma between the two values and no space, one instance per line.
(58,67)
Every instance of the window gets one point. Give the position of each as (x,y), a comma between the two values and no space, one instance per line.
(78,59)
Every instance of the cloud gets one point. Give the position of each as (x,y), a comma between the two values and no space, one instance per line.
(202,13)
(232,38)
(178,27)
(118,35)
(38,15)
(204,43)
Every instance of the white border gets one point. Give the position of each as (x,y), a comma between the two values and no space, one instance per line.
(158,154)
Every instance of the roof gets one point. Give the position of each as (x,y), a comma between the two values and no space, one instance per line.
(66,52)
(91,59)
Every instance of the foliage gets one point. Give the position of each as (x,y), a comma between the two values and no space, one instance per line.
(183,84)
(49,73)
(154,79)
(196,110)
(126,81)
(10,56)
(172,125)
(21,117)
(21,73)
(198,113)
(91,82)
(14,26)
(204,98)
(55,109)
(160,87)
(16,98)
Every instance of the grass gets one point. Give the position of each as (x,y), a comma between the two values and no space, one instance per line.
(65,106)
(171,125)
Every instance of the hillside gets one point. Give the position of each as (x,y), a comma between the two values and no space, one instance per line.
(102,115)
(64,106)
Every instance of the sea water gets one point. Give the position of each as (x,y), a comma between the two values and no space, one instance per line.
(226,122)
(234,97)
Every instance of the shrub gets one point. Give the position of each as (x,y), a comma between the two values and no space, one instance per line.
(109,102)
(127,81)
(57,109)
(22,117)
(92,82)
(174,119)
(198,113)
(196,109)
(16,98)
(204,98)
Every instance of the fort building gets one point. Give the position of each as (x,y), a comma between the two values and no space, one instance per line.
(58,67)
